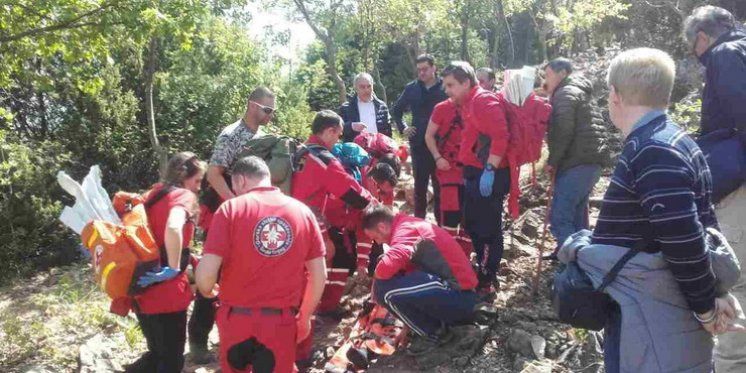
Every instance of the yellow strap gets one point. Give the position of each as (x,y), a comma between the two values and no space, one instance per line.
(93,238)
(105,274)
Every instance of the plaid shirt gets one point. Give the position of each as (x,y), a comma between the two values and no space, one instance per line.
(230,142)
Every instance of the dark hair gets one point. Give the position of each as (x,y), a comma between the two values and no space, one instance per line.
(559,65)
(325,119)
(182,166)
(393,161)
(252,167)
(383,172)
(260,92)
(486,70)
(374,214)
(426,58)
(461,71)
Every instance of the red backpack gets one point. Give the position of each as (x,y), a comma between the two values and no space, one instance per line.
(527,125)
(376,144)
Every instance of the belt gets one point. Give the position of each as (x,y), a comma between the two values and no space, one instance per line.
(266,311)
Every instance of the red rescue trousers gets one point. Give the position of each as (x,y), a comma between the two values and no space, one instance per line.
(257,339)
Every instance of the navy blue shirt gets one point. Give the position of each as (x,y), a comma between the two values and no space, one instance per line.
(421,101)
(661,189)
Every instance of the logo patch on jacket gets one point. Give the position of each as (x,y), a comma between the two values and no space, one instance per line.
(273,236)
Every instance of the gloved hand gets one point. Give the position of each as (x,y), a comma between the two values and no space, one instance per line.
(157,275)
(486,181)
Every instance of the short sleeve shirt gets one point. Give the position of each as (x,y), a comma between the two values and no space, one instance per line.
(230,142)
(264,238)
(450,125)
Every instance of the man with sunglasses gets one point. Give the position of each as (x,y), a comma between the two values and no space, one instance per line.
(719,41)
(260,109)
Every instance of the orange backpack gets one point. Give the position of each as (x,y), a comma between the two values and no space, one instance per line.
(121,253)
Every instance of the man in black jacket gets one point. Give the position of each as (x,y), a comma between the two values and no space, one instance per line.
(420,96)
(577,148)
(719,42)
(364,111)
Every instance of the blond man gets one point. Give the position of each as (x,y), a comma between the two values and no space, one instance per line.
(660,192)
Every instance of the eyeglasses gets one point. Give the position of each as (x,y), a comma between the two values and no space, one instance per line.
(266,109)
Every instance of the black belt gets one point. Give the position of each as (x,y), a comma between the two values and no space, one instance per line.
(266,311)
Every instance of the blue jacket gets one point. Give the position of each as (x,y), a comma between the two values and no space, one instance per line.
(420,101)
(724,96)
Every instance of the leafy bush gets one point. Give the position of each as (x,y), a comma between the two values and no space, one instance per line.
(30,234)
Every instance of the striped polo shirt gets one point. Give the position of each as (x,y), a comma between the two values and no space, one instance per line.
(661,189)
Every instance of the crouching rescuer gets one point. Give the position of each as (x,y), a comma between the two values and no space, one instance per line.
(423,277)
(266,246)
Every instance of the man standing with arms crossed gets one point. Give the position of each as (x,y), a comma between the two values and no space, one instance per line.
(263,240)
(420,96)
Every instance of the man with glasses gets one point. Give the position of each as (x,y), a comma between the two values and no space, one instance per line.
(420,96)
(260,109)
(719,41)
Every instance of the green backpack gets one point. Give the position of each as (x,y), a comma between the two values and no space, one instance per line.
(277,151)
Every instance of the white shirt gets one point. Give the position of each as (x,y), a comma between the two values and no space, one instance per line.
(367,112)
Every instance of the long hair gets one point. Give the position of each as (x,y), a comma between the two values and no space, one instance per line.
(181,167)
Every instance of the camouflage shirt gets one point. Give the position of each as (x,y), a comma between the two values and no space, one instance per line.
(230,142)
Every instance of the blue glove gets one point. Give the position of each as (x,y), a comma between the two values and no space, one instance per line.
(486,181)
(157,275)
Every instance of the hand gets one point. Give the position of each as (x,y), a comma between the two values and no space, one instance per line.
(358,126)
(160,275)
(303,324)
(486,181)
(443,164)
(409,132)
(549,169)
(726,311)
(330,248)
(215,292)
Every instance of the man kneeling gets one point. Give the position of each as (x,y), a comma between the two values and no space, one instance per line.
(423,277)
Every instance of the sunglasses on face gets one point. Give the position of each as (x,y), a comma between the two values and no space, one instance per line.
(266,109)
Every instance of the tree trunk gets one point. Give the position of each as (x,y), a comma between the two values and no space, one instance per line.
(501,13)
(150,67)
(377,73)
(464,32)
(331,69)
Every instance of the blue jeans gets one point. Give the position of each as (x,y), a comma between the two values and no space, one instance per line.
(424,302)
(572,189)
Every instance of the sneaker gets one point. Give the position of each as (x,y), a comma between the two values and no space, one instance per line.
(423,345)
(485,313)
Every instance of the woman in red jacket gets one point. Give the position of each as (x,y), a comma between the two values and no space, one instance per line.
(161,309)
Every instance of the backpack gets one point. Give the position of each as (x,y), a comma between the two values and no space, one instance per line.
(376,144)
(353,157)
(122,253)
(279,153)
(527,125)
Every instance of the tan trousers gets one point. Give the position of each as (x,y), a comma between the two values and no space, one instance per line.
(730,351)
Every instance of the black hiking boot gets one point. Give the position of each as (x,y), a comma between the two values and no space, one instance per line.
(422,345)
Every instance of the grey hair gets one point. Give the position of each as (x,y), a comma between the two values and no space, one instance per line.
(362,76)
(487,71)
(252,167)
(713,21)
(560,64)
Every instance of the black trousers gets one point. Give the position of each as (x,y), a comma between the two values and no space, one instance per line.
(423,167)
(201,321)
(165,334)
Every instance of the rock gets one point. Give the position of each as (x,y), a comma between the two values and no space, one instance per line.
(461,361)
(522,342)
(539,345)
(96,355)
(537,367)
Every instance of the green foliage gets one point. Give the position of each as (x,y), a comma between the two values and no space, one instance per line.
(29,231)
(687,114)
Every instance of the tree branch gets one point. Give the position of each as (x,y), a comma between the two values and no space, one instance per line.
(67,24)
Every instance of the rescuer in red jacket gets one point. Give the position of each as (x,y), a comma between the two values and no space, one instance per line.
(424,277)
